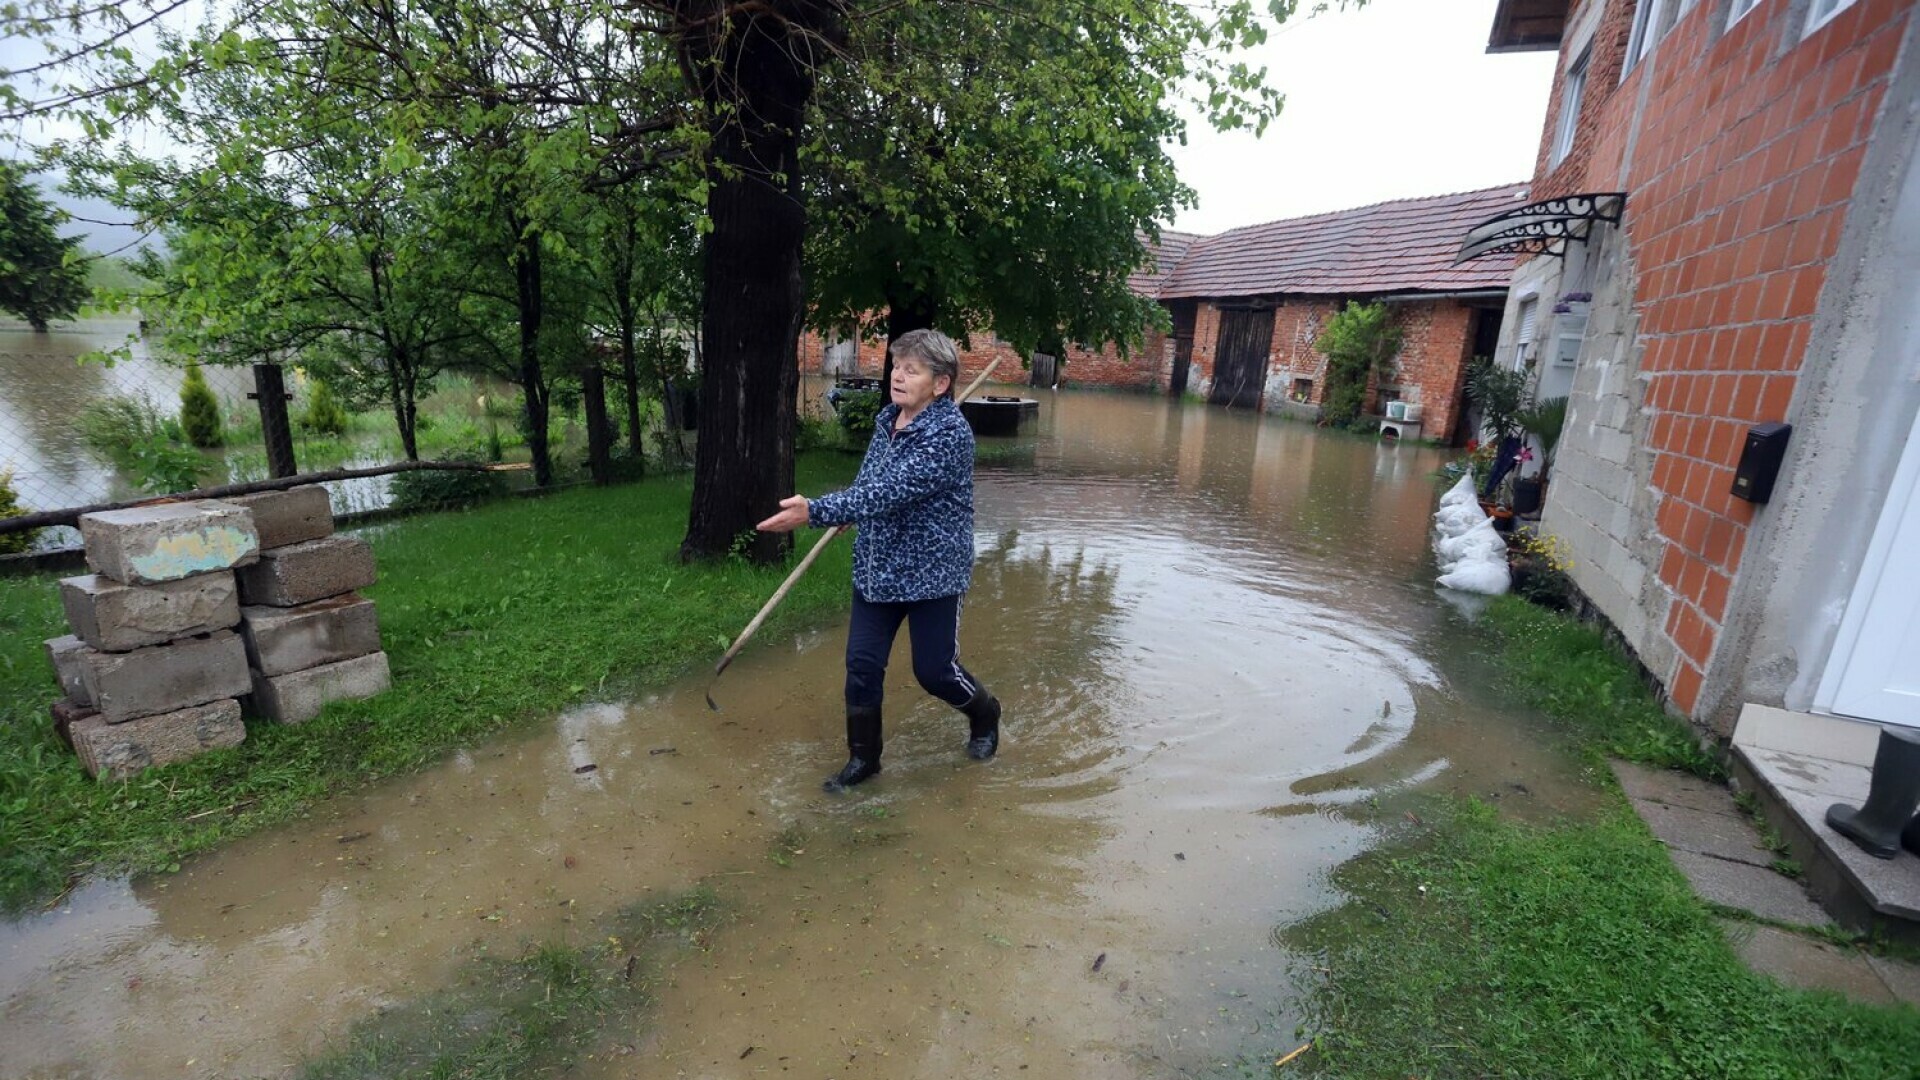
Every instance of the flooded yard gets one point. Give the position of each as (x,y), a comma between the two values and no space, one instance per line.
(1219,649)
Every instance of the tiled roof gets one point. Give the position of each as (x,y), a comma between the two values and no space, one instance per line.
(1162,259)
(1402,246)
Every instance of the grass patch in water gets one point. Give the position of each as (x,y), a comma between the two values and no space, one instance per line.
(1489,948)
(491,617)
(531,1016)
(1572,673)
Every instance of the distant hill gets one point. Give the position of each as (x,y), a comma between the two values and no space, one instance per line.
(105,229)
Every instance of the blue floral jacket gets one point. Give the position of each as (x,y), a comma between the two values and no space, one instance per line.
(913,501)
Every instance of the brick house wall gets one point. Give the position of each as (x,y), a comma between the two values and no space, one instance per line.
(1740,149)
(1145,369)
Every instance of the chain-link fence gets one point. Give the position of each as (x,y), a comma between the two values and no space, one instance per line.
(77,431)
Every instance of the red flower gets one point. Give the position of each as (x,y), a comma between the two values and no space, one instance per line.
(1472,445)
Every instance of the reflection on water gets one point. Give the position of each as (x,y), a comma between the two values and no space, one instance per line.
(1217,643)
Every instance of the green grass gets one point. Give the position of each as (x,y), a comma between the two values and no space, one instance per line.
(1570,672)
(491,617)
(1477,946)
(1486,948)
(531,1015)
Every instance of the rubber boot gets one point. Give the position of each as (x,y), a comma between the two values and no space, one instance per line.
(863,748)
(1893,796)
(983,725)
(1910,836)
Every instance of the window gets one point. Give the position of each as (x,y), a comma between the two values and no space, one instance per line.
(1570,92)
(1820,12)
(1647,15)
(1739,8)
(1523,338)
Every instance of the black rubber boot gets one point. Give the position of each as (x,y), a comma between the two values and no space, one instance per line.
(863,748)
(983,726)
(1893,796)
(1910,836)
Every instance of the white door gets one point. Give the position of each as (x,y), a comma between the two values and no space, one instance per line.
(1875,670)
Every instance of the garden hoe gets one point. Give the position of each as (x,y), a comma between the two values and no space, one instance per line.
(818,546)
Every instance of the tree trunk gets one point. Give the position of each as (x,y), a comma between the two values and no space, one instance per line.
(533,383)
(593,395)
(907,310)
(754,70)
(400,391)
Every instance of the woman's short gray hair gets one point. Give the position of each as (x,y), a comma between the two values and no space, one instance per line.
(935,349)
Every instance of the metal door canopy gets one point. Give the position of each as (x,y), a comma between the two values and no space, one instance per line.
(1544,227)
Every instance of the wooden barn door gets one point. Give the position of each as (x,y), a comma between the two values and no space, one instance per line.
(1240,358)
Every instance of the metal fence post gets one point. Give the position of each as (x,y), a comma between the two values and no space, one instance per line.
(270,391)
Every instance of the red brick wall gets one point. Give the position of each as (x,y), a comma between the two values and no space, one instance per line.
(1144,369)
(1433,361)
(1745,160)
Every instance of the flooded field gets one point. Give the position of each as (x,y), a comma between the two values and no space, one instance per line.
(1219,649)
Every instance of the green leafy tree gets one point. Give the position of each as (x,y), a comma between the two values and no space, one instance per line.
(1360,343)
(42,275)
(200,410)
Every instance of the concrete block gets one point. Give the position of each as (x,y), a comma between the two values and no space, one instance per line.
(284,640)
(150,544)
(64,654)
(117,751)
(120,618)
(305,572)
(298,697)
(289,517)
(66,714)
(166,678)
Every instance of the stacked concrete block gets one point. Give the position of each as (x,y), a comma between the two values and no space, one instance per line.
(309,637)
(153,670)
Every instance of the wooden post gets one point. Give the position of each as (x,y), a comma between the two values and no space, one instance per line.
(271,392)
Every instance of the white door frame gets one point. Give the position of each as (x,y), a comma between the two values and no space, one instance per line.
(1873,574)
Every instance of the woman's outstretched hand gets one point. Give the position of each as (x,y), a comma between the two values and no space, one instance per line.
(792,515)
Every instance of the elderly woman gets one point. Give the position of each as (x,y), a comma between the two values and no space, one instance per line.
(913,553)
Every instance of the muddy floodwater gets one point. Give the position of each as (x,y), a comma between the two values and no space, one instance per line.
(1219,650)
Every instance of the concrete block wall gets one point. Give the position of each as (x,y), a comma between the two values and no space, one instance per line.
(1740,149)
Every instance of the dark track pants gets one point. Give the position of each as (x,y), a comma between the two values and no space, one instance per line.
(933,626)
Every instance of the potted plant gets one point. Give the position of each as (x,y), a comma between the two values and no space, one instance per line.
(1499,394)
(1544,421)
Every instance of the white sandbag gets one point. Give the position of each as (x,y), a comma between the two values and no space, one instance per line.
(1488,577)
(1454,520)
(1481,540)
(1461,492)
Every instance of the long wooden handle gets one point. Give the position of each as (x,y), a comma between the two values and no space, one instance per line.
(818,546)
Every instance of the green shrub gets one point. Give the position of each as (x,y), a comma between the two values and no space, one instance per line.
(13,543)
(199,410)
(442,489)
(132,435)
(1360,343)
(324,415)
(856,414)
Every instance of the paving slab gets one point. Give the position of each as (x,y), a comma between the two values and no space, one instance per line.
(147,545)
(284,640)
(165,678)
(1726,835)
(288,517)
(1901,977)
(1765,893)
(1806,964)
(305,572)
(117,751)
(120,618)
(65,654)
(299,696)
(1671,787)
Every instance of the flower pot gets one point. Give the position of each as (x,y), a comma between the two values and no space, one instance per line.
(1528,495)
(1502,519)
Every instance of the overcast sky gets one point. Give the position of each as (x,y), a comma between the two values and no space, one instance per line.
(1396,100)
